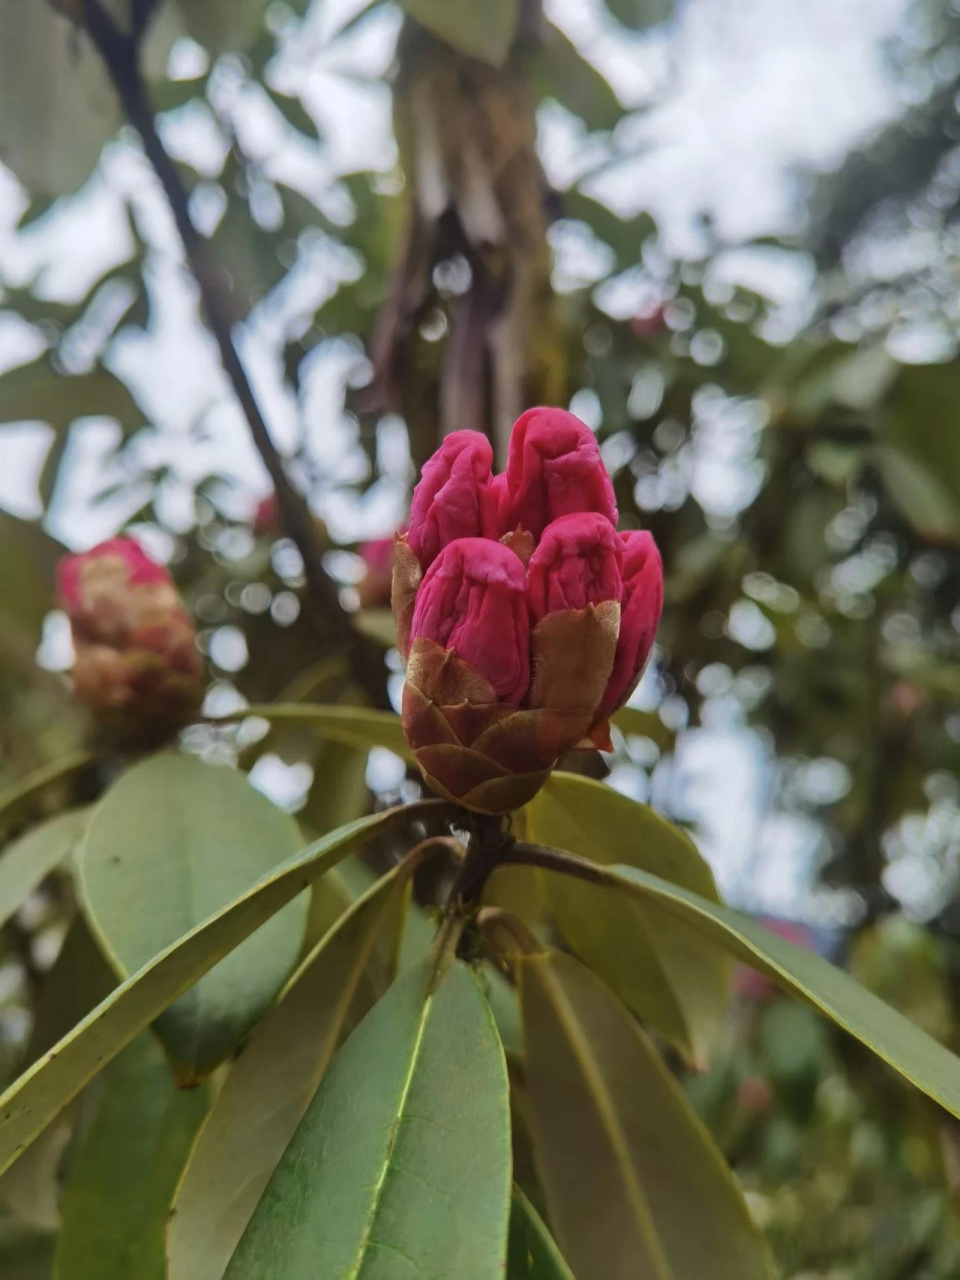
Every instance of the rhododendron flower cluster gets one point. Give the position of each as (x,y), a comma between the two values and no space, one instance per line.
(137,667)
(523,617)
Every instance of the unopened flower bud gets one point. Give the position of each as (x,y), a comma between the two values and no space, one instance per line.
(554,469)
(137,667)
(473,601)
(574,593)
(510,630)
(640,610)
(454,498)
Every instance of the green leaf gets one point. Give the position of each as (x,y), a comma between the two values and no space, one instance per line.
(28,559)
(353,726)
(171,843)
(222,26)
(640,14)
(377,625)
(532,1252)
(36,1097)
(401,1165)
(19,798)
(891,1036)
(634,1183)
(123,1174)
(39,392)
(483,31)
(919,492)
(921,420)
(658,965)
(25,1254)
(51,139)
(76,981)
(28,861)
(560,71)
(273,1081)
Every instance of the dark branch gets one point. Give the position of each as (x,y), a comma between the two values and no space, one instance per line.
(120,53)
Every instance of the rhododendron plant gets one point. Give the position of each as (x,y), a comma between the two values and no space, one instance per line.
(137,667)
(523,617)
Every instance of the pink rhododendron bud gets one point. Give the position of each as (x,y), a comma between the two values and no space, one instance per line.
(554,469)
(473,601)
(574,594)
(137,667)
(454,498)
(509,628)
(577,563)
(641,607)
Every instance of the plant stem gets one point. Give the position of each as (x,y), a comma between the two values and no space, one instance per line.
(538,855)
(120,53)
(489,840)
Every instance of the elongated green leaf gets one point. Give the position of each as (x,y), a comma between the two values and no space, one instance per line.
(634,1182)
(899,1042)
(353,726)
(124,1171)
(174,841)
(76,981)
(401,1166)
(27,861)
(35,1098)
(272,1082)
(17,799)
(532,1253)
(657,964)
(482,31)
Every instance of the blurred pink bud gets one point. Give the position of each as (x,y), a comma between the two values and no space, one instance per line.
(640,610)
(374,587)
(554,469)
(472,600)
(577,563)
(137,667)
(266,518)
(454,498)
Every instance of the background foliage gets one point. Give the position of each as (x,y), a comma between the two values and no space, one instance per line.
(812,599)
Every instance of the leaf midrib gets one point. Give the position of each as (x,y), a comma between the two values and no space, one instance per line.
(606,1111)
(359,1262)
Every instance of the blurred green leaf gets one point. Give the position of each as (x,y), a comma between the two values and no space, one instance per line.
(921,420)
(23,796)
(173,842)
(222,26)
(407,1143)
(532,1252)
(40,392)
(640,14)
(891,1036)
(353,726)
(657,964)
(54,146)
(921,494)
(40,1093)
(26,862)
(481,31)
(25,1254)
(125,1168)
(616,1143)
(28,561)
(273,1081)
(558,70)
